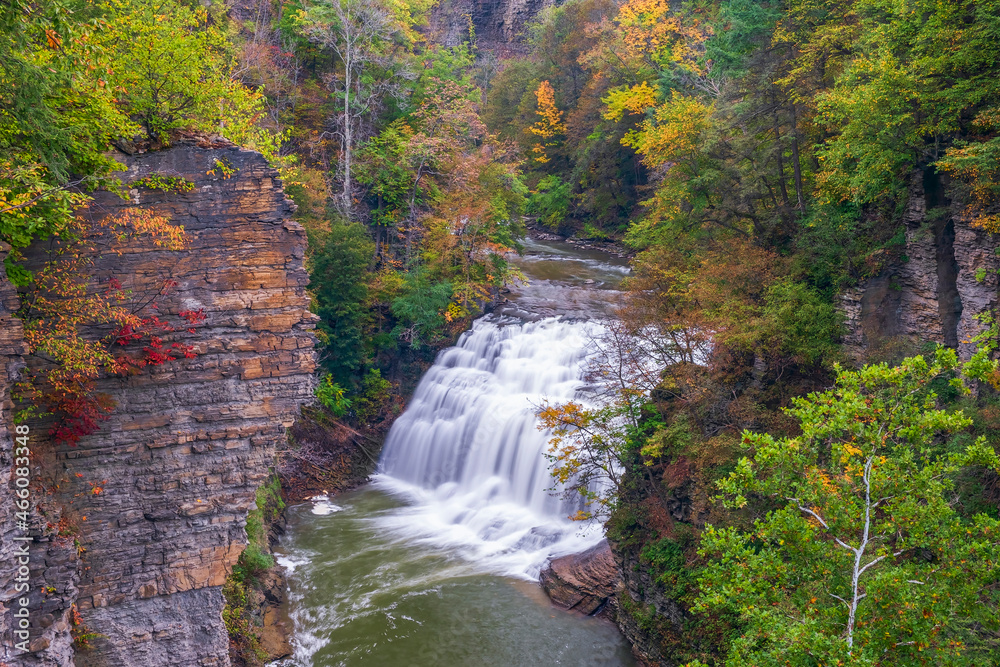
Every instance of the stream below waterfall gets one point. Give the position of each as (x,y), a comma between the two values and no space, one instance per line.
(435,563)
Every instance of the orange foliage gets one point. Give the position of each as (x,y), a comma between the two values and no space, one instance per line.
(66,306)
(550,124)
(711,296)
(468,229)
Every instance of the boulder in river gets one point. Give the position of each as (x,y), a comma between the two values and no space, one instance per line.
(582,582)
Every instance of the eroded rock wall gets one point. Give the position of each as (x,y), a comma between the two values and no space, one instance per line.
(582,582)
(947,277)
(191,440)
(500,25)
(642,609)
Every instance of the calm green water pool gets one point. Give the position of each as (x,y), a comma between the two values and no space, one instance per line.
(361,595)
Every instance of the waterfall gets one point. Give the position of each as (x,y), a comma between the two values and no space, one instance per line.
(469,455)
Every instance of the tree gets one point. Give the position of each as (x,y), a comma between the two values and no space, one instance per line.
(595,443)
(360,33)
(550,124)
(169,68)
(384,166)
(863,559)
(451,191)
(56,118)
(420,309)
(78,77)
(339,285)
(474,227)
(921,74)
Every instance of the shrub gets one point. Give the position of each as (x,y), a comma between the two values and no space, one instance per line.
(332,396)
(550,201)
(375,394)
(801,324)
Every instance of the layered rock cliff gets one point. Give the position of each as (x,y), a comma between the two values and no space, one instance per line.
(500,25)
(947,277)
(189,441)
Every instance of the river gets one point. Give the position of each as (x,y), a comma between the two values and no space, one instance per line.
(435,563)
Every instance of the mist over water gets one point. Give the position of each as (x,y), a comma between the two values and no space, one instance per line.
(367,597)
(469,454)
(434,562)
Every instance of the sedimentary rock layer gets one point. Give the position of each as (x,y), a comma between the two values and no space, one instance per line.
(582,582)
(189,441)
(948,276)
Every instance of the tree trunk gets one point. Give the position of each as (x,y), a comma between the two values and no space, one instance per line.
(348,64)
(797,163)
(780,155)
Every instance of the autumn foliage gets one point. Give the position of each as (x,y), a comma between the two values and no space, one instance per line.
(80,328)
(550,123)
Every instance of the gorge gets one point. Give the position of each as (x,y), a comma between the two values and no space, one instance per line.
(433,560)
(290,287)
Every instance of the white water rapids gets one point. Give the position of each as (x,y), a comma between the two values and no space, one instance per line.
(426,567)
(469,454)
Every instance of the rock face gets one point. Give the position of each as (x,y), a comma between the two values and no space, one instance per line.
(189,441)
(500,25)
(12,348)
(948,277)
(274,621)
(638,596)
(582,582)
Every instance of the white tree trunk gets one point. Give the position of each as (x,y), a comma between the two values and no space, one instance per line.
(859,555)
(348,139)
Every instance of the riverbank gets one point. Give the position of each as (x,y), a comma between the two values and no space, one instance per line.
(612,247)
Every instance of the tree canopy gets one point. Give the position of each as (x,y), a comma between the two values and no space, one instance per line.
(865,559)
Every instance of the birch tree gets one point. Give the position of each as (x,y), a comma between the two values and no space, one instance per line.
(864,561)
(359,33)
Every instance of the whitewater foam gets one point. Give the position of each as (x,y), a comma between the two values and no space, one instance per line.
(468,455)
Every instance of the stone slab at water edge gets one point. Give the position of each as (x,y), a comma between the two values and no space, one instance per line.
(582,582)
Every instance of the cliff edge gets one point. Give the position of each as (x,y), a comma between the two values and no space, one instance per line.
(139,570)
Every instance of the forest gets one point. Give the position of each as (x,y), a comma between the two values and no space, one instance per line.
(792,500)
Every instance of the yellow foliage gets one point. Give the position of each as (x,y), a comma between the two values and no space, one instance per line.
(550,124)
(650,30)
(850,450)
(675,131)
(636,99)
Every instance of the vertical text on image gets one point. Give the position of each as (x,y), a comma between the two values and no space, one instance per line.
(22,469)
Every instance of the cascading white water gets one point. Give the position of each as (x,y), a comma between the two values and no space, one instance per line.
(468,451)
(410,577)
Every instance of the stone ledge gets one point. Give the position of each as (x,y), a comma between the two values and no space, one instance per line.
(582,582)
